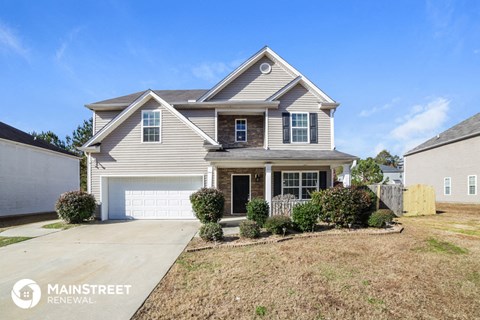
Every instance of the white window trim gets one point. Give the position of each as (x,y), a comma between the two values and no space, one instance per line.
(246,130)
(300,187)
(231,189)
(445,186)
(159,126)
(291,128)
(468,185)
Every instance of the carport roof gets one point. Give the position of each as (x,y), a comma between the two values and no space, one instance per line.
(262,154)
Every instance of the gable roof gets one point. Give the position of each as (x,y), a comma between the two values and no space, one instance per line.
(127,112)
(388,169)
(13,134)
(170,96)
(265,51)
(466,129)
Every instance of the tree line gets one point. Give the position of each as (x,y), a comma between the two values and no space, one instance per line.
(79,136)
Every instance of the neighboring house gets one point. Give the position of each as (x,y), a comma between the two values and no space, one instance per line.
(391,175)
(449,162)
(33,173)
(263,130)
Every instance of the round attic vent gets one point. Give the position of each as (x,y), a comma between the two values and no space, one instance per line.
(265,68)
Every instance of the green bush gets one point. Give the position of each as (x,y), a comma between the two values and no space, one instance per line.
(258,211)
(75,206)
(276,224)
(343,206)
(211,231)
(380,218)
(208,203)
(249,229)
(305,216)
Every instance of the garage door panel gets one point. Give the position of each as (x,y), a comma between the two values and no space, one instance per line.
(152,197)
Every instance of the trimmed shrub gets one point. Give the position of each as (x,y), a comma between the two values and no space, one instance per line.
(258,210)
(249,229)
(211,231)
(305,216)
(75,206)
(380,218)
(343,206)
(276,224)
(208,203)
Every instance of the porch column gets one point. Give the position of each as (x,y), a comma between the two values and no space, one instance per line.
(268,185)
(210,177)
(346,175)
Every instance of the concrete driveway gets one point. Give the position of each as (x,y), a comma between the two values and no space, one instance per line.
(113,266)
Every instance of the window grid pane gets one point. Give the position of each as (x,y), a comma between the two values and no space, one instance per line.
(472,187)
(151,126)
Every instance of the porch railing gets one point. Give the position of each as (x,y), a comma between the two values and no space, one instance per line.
(285,207)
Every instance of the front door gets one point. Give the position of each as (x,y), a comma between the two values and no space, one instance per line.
(240,193)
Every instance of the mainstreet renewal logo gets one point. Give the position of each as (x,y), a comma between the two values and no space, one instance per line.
(26,293)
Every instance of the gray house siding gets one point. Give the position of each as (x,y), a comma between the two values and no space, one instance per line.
(298,99)
(456,160)
(102,118)
(122,152)
(252,84)
(204,119)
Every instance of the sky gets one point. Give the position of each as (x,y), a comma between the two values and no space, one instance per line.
(402,71)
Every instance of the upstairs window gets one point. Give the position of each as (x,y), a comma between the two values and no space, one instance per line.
(299,127)
(472,185)
(150,126)
(447,186)
(240,130)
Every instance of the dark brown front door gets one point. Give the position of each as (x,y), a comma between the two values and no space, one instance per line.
(240,193)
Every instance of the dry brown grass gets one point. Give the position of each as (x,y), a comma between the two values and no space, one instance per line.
(424,273)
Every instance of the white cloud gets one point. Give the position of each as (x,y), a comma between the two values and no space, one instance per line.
(11,42)
(370,111)
(214,71)
(60,53)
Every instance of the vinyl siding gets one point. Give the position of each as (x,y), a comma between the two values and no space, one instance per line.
(204,119)
(122,152)
(456,160)
(252,84)
(103,117)
(298,99)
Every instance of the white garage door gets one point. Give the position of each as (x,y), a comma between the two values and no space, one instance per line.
(152,197)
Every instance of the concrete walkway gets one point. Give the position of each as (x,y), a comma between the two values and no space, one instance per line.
(31,230)
(128,257)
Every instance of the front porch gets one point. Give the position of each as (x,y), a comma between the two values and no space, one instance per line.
(246,173)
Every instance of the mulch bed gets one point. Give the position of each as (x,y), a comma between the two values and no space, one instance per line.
(235,241)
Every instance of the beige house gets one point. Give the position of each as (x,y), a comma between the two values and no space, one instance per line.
(264,130)
(449,162)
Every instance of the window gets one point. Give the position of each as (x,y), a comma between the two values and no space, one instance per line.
(151,126)
(240,130)
(472,185)
(299,184)
(299,127)
(447,186)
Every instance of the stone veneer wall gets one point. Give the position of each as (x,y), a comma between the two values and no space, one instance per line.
(225,183)
(226,131)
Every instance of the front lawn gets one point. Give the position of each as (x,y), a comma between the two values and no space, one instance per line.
(429,271)
(60,225)
(5,241)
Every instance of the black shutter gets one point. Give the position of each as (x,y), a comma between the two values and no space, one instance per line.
(313,128)
(277,183)
(286,127)
(323,180)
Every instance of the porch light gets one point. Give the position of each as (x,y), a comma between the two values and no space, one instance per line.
(257,177)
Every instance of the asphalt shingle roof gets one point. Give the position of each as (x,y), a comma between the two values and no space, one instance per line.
(13,134)
(171,96)
(464,129)
(388,169)
(262,154)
